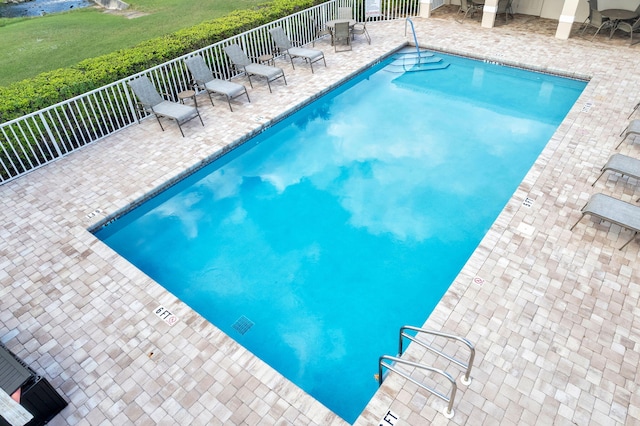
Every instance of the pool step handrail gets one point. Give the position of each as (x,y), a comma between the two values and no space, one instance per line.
(449,399)
(466,378)
(413,30)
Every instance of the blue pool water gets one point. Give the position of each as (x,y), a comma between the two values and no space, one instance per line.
(313,243)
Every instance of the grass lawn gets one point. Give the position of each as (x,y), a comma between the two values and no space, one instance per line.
(34,45)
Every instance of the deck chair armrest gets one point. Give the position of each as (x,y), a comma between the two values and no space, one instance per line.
(143,107)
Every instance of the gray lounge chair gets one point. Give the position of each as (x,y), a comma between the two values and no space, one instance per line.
(242,62)
(284,45)
(204,80)
(632,129)
(615,211)
(152,102)
(626,166)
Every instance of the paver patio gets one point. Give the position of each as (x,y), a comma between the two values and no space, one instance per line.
(556,321)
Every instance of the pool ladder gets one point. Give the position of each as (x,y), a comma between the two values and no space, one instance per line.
(450,397)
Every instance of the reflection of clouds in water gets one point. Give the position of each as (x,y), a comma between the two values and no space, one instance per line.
(385,203)
(180,207)
(223,183)
(390,198)
(310,339)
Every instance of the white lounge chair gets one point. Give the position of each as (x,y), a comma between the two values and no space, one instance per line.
(242,62)
(612,210)
(283,43)
(152,102)
(204,80)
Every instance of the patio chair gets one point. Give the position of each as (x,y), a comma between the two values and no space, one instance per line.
(360,28)
(612,210)
(630,27)
(506,7)
(204,80)
(345,13)
(632,129)
(626,166)
(341,33)
(469,8)
(151,101)
(284,45)
(594,19)
(318,31)
(243,63)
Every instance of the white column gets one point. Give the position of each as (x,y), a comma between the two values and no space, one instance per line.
(489,13)
(568,16)
(425,8)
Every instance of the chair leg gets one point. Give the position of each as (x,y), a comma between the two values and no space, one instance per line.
(211,98)
(574,225)
(594,182)
(180,127)
(229,102)
(634,110)
(627,243)
(160,123)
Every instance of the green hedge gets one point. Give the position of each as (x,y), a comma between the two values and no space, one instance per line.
(56,86)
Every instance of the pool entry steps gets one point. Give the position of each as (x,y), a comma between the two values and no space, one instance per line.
(466,378)
(414,58)
(411,59)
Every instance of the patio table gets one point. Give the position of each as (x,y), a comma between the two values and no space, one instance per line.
(614,17)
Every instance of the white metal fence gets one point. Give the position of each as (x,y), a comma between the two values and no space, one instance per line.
(36,139)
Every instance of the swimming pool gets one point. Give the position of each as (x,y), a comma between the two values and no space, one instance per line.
(313,243)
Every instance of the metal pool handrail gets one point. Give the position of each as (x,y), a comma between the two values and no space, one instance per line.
(448,411)
(466,379)
(415,38)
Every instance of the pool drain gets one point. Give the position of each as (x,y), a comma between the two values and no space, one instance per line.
(242,324)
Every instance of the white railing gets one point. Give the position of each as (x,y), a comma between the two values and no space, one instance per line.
(36,139)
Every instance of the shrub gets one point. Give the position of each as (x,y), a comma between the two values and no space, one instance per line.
(56,86)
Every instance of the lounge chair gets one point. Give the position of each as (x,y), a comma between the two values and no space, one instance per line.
(152,102)
(204,80)
(632,129)
(341,33)
(242,62)
(615,211)
(284,45)
(626,166)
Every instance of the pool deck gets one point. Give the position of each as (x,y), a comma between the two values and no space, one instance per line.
(554,313)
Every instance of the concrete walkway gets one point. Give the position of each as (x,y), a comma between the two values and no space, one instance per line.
(555,320)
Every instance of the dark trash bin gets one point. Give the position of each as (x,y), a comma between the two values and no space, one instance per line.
(37,395)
